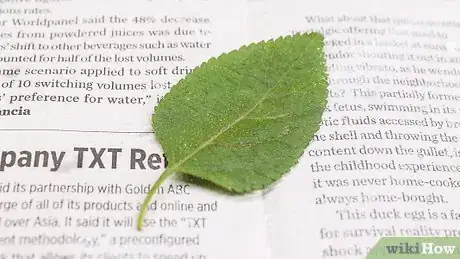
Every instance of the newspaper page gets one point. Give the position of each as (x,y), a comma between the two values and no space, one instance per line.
(78,83)
(385,161)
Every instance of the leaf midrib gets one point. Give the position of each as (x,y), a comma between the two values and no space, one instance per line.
(209,141)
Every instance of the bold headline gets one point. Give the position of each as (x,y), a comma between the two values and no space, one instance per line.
(83,157)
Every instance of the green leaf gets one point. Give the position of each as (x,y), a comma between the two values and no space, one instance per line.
(242,120)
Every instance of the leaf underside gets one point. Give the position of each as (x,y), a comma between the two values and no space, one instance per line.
(242,120)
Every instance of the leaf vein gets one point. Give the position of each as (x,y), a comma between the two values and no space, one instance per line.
(242,74)
(268,117)
(254,143)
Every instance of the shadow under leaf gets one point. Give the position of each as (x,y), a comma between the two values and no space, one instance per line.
(205,184)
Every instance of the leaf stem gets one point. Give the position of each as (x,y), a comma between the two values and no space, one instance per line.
(167,173)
